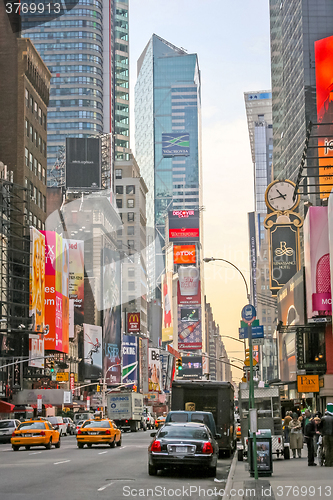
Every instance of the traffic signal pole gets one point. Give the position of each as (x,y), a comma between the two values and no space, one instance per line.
(251,401)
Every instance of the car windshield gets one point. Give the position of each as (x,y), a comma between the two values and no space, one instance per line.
(6,424)
(94,423)
(179,417)
(31,425)
(183,433)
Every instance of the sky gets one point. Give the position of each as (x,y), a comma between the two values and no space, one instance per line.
(232,41)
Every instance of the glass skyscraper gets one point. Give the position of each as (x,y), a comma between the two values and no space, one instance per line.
(86,51)
(167,100)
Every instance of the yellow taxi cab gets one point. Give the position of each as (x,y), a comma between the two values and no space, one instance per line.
(160,421)
(35,432)
(98,431)
(238,431)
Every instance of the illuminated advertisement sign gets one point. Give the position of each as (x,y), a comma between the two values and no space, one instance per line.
(167,320)
(183,225)
(189,317)
(76,278)
(192,367)
(184,254)
(92,351)
(324,88)
(83,163)
(175,144)
(317,263)
(291,301)
(154,371)
(284,255)
(129,350)
(133,322)
(37,280)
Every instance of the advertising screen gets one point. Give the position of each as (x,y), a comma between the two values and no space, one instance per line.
(189,310)
(317,263)
(324,89)
(83,163)
(154,371)
(92,351)
(111,289)
(183,225)
(184,254)
(192,367)
(129,350)
(175,144)
(37,280)
(76,278)
(167,320)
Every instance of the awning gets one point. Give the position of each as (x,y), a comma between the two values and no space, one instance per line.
(6,407)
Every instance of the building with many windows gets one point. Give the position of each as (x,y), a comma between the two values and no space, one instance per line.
(167,101)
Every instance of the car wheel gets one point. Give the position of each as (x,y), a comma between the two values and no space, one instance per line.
(57,445)
(119,442)
(80,445)
(15,448)
(113,443)
(49,444)
(212,471)
(27,447)
(152,471)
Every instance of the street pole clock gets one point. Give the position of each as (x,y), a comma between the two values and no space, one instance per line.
(283,225)
(280,196)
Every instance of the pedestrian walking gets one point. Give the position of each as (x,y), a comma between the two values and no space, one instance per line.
(287,419)
(296,436)
(326,428)
(317,421)
(309,432)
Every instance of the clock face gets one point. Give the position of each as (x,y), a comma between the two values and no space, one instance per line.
(280,196)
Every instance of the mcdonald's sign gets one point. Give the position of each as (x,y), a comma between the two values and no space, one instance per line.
(133,322)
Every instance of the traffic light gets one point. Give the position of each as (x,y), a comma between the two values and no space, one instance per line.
(98,388)
(135,389)
(247,353)
(52,366)
(179,363)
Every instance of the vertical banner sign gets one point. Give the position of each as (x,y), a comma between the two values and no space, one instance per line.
(65,296)
(330,235)
(129,360)
(50,289)
(37,278)
(76,278)
(317,263)
(59,304)
(133,322)
(92,351)
(71,319)
(154,371)
(39,403)
(284,254)
(324,78)
(111,289)
(144,365)
(167,320)
(253,257)
(72,382)
(189,308)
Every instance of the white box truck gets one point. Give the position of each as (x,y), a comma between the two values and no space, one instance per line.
(126,409)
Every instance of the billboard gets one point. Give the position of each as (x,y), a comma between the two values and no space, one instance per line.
(175,144)
(83,163)
(324,88)
(291,301)
(192,367)
(37,280)
(284,255)
(154,371)
(189,308)
(143,349)
(133,322)
(92,339)
(183,225)
(129,351)
(184,254)
(167,320)
(76,278)
(111,301)
(36,351)
(317,263)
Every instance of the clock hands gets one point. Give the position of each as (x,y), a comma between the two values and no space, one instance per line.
(281,195)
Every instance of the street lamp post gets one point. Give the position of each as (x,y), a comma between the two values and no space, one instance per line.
(211,259)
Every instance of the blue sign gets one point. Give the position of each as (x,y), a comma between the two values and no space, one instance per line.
(176,144)
(129,360)
(249,313)
(257,332)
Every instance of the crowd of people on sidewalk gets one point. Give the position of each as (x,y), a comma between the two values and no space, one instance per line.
(309,428)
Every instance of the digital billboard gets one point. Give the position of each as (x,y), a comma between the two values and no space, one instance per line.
(175,144)
(324,90)
(183,226)
(129,349)
(189,308)
(76,278)
(92,338)
(192,367)
(167,319)
(37,280)
(184,254)
(83,163)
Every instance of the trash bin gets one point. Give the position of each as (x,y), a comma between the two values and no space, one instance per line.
(264,453)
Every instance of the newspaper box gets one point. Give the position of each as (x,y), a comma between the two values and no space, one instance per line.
(264,453)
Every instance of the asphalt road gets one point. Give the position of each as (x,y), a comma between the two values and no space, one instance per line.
(99,473)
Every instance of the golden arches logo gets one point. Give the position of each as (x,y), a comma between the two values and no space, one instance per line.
(133,318)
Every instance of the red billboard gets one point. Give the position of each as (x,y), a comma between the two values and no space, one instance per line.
(133,322)
(184,254)
(324,89)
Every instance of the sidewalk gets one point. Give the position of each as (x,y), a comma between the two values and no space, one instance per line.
(290,479)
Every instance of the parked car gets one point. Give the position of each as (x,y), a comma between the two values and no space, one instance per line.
(78,426)
(37,432)
(179,445)
(59,424)
(7,427)
(70,425)
(204,417)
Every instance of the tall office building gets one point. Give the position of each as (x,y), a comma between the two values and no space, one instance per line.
(167,108)
(295,26)
(86,51)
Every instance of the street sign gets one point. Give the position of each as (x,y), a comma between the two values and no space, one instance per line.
(247,362)
(62,377)
(255,322)
(247,368)
(258,341)
(249,313)
(257,332)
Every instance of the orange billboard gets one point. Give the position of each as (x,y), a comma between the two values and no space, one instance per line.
(184,254)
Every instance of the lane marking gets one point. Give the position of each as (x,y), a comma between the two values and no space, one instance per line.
(102,452)
(35,453)
(103,487)
(63,462)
